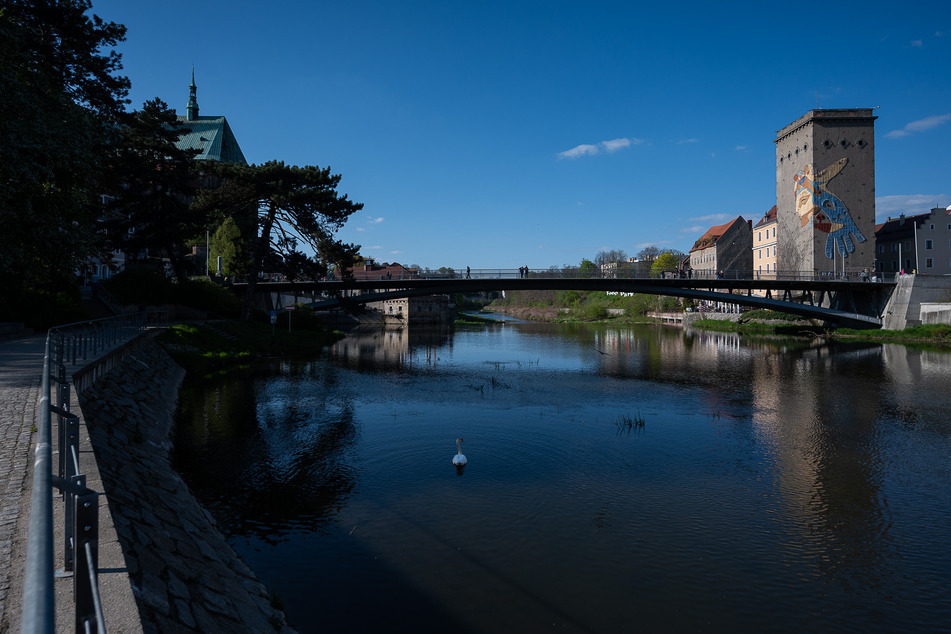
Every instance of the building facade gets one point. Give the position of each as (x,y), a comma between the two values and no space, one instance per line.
(920,243)
(725,249)
(825,192)
(764,246)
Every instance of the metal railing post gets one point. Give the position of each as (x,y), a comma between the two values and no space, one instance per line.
(82,505)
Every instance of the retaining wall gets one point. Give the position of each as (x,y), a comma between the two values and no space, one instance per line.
(184,575)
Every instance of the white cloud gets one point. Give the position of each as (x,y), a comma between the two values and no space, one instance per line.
(909,204)
(917,43)
(740,148)
(360,229)
(920,125)
(691,140)
(587,149)
(578,151)
(376,247)
(615,144)
(375,221)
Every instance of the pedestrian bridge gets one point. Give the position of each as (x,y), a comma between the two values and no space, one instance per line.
(849,302)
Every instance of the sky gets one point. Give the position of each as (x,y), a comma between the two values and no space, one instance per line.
(499,134)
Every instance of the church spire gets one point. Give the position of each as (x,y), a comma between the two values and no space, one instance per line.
(191,111)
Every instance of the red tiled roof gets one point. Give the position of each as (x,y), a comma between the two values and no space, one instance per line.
(768,217)
(713,234)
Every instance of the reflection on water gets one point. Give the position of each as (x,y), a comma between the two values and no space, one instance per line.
(775,484)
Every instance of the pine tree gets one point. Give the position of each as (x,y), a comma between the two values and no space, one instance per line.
(282,206)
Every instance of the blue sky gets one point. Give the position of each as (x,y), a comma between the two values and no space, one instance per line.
(502,134)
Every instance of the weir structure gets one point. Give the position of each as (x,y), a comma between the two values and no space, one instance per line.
(852,302)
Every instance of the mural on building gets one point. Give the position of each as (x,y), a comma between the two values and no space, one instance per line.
(823,210)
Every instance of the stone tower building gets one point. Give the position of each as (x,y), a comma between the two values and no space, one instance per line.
(825,192)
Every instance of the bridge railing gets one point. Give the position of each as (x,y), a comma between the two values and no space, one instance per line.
(68,344)
(639,273)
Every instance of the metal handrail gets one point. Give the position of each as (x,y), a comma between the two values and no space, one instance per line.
(63,343)
(620,272)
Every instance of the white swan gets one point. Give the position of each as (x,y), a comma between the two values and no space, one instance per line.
(459,460)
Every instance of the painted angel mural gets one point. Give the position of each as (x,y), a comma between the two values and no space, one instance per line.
(818,206)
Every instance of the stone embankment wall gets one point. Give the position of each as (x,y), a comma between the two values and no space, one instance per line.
(185,576)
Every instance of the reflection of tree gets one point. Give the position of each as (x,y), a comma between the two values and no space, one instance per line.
(267,452)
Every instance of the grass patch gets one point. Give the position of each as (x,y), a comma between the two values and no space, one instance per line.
(628,423)
(936,334)
(218,347)
(465,318)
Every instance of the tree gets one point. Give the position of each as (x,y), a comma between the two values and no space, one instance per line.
(153,183)
(609,257)
(282,206)
(648,254)
(588,269)
(228,244)
(667,261)
(59,97)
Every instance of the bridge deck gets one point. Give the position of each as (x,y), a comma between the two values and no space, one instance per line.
(841,302)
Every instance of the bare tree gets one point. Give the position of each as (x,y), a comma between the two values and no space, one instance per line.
(607,257)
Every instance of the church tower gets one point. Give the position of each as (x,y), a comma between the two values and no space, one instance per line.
(191,110)
(825,192)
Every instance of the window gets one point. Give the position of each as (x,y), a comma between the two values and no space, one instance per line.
(894,265)
(774,230)
(759,236)
(881,248)
(760,251)
(929,263)
(929,244)
(894,247)
(932,227)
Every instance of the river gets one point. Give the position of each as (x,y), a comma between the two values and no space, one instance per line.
(618,479)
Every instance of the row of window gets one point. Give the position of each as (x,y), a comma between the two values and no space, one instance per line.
(760,252)
(759,235)
(929,244)
(929,264)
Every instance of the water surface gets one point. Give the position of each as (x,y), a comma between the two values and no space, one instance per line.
(774,484)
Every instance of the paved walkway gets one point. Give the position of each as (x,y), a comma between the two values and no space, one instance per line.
(21,367)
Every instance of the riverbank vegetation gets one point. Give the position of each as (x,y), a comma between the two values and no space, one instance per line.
(585,306)
(216,347)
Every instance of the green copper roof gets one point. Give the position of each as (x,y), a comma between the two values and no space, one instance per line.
(213,137)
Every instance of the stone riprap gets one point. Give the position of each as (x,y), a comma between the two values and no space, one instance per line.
(184,574)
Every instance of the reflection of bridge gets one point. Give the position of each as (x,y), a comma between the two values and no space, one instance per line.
(841,302)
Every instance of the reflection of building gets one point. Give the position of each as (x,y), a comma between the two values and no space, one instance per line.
(825,191)
(764,246)
(919,243)
(724,248)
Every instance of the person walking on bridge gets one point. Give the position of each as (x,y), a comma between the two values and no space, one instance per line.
(468,271)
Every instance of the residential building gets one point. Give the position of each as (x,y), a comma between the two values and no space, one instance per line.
(920,243)
(725,249)
(825,192)
(764,246)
